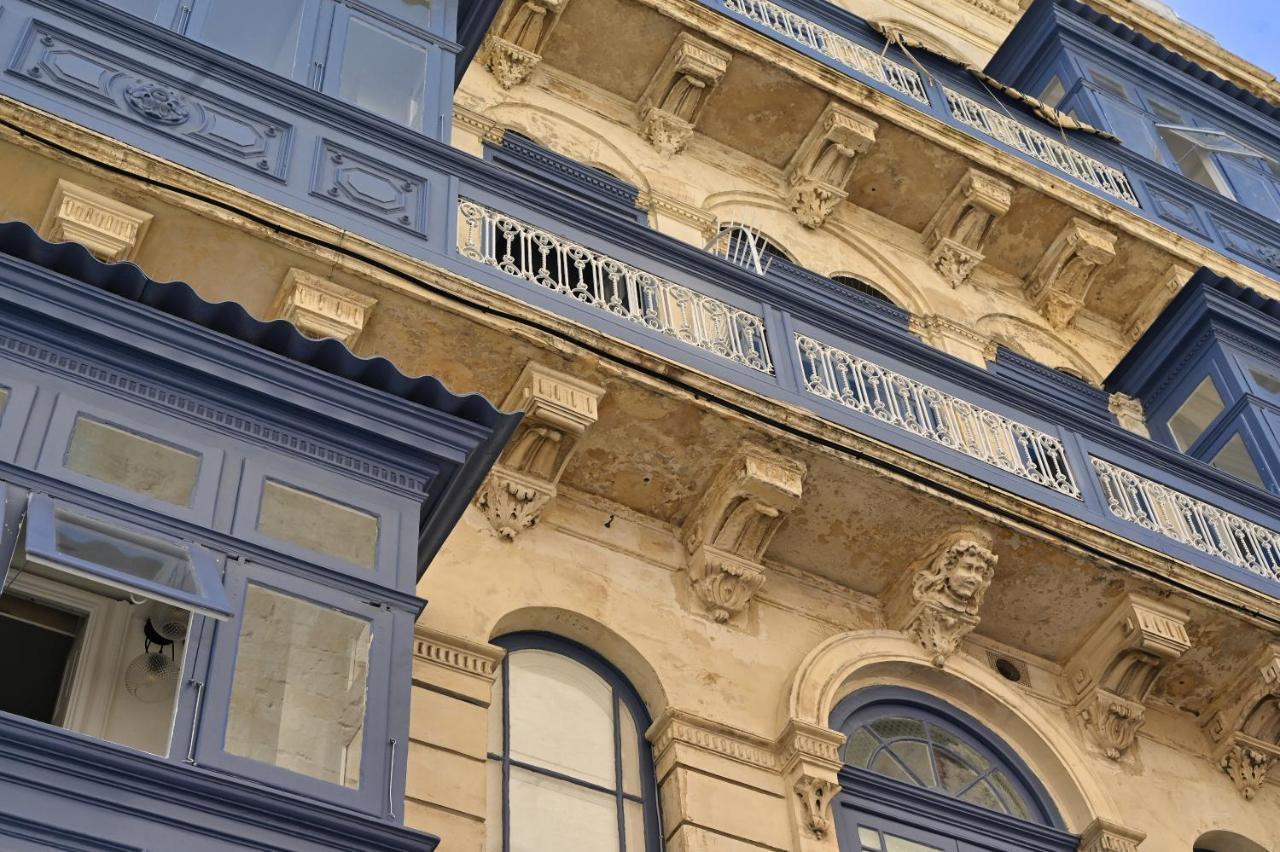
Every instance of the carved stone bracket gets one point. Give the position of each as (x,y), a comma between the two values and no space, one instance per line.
(321,308)
(1244,724)
(809,757)
(1155,300)
(110,230)
(822,165)
(1060,283)
(958,231)
(1113,671)
(733,522)
(815,801)
(677,93)
(1103,835)
(558,410)
(514,46)
(937,603)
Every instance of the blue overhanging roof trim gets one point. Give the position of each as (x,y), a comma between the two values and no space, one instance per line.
(441,510)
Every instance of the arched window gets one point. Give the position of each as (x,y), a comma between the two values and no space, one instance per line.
(863,287)
(747,247)
(1226,841)
(920,776)
(569,766)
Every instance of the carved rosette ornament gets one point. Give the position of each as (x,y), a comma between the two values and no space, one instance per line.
(730,527)
(558,409)
(816,795)
(945,593)
(514,46)
(1244,724)
(822,165)
(674,99)
(959,230)
(157,103)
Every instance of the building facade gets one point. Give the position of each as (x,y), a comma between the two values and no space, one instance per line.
(843,427)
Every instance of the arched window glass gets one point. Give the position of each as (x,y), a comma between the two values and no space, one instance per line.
(863,287)
(569,767)
(920,776)
(746,247)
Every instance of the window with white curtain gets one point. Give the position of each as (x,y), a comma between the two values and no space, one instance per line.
(569,768)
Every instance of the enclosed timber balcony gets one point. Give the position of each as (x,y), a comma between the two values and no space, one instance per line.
(794,338)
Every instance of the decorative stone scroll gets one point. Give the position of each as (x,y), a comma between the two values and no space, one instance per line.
(558,409)
(1103,835)
(937,603)
(676,95)
(514,46)
(1244,724)
(110,230)
(959,230)
(822,165)
(730,527)
(321,308)
(1112,673)
(1061,281)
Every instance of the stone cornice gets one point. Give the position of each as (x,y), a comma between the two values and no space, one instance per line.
(799,740)
(454,652)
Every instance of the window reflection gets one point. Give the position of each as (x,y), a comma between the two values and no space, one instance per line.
(265,34)
(1194,416)
(1234,458)
(383,73)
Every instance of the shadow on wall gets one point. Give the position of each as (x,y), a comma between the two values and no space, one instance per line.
(1226,841)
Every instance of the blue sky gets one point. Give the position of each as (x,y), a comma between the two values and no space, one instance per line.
(1247,28)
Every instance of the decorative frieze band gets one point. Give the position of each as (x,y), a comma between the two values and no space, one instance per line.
(456,653)
(111,230)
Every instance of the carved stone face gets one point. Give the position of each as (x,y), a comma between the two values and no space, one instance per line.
(967,576)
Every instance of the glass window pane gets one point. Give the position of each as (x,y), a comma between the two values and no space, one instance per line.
(893,727)
(1195,415)
(383,73)
(870,839)
(1269,382)
(1252,189)
(1132,126)
(136,462)
(982,795)
(953,774)
(629,736)
(265,34)
(36,643)
(142,8)
(1190,159)
(317,523)
(299,689)
(547,813)
(4,400)
(1234,459)
(959,748)
(561,716)
(893,843)
(917,759)
(858,750)
(634,814)
(1011,796)
(416,12)
(884,764)
(1053,93)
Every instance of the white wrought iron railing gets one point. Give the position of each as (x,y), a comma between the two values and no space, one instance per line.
(937,416)
(854,56)
(1192,522)
(1043,147)
(540,257)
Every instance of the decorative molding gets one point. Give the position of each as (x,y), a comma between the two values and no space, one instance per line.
(1244,723)
(822,165)
(321,308)
(1060,283)
(1155,300)
(514,46)
(957,338)
(678,727)
(456,653)
(958,232)
(729,529)
(1103,835)
(110,229)
(674,99)
(690,214)
(1112,673)
(370,187)
(482,126)
(815,795)
(558,410)
(937,602)
(1128,413)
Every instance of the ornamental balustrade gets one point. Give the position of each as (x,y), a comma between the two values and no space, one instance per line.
(542,258)
(929,413)
(850,54)
(1192,522)
(1045,148)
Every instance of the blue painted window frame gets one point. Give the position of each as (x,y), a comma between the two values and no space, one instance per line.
(926,815)
(373,796)
(624,693)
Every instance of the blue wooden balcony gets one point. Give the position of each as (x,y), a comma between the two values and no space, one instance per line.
(790,336)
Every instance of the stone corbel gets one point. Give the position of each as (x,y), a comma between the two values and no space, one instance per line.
(938,600)
(1168,285)
(321,308)
(111,230)
(1129,414)
(1103,835)
(1113,671)
(809,757)
(558,409)
(1244,724)
(825,160)
(1060,283)
(514,46)
(958,231)
(730,527)
(677,93)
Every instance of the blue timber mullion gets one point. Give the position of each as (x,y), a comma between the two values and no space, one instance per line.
(506,753)
(617,769)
